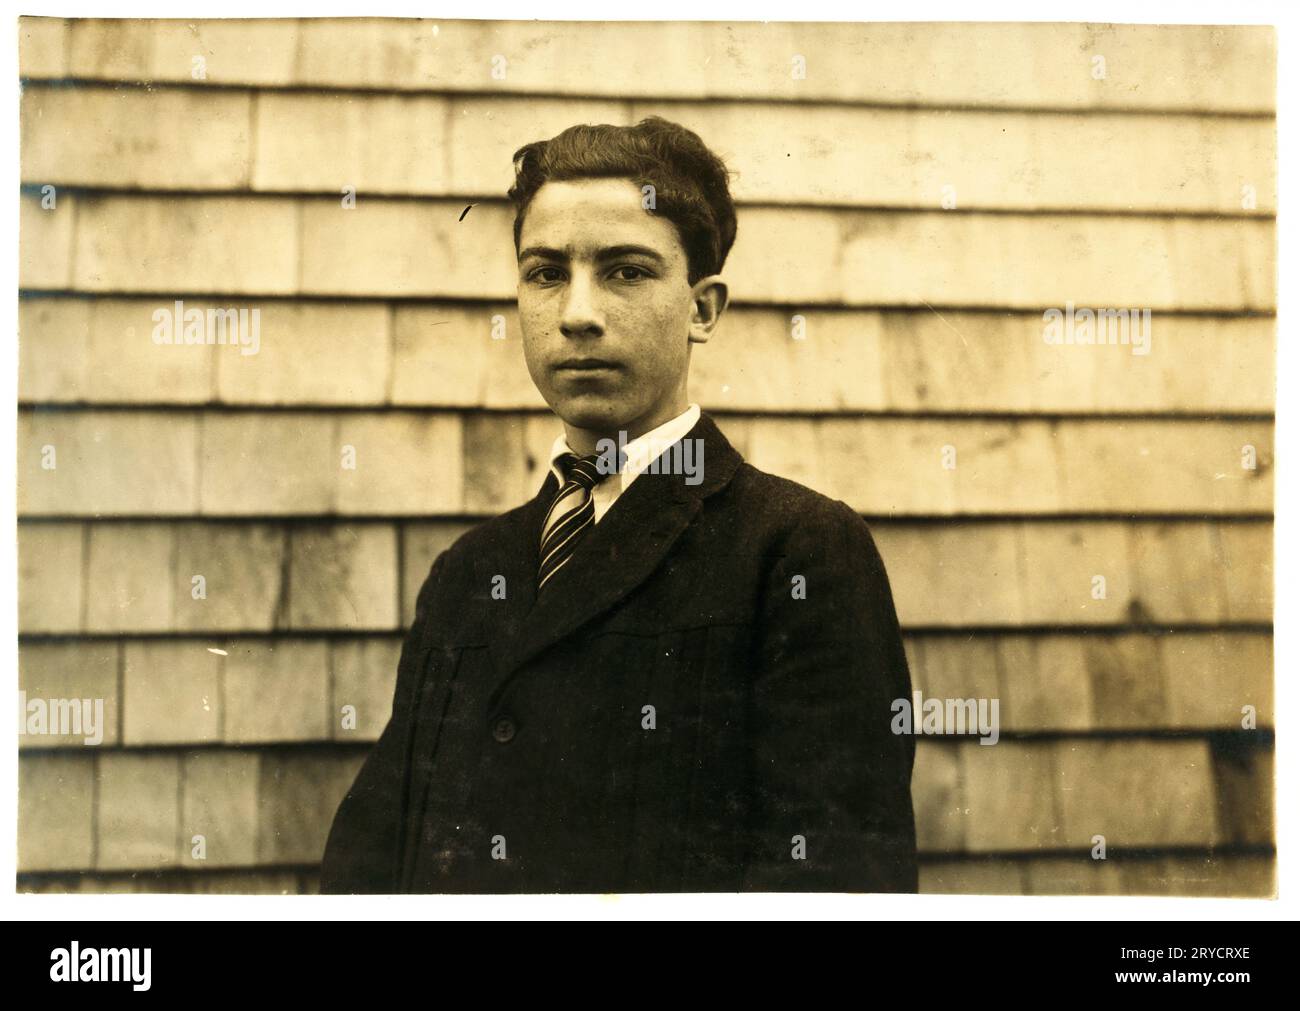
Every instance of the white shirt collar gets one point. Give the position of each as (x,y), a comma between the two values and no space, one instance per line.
(640,451)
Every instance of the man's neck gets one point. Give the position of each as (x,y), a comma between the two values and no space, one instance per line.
(585,441)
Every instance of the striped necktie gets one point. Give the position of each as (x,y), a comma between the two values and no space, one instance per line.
(571,515)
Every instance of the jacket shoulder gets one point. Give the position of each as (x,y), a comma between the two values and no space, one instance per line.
(788,507)
(456,562)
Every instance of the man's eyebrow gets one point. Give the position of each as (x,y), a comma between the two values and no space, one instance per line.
(612,252)
(608,253)
(544,252)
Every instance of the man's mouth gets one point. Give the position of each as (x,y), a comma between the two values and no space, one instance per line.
(585,365)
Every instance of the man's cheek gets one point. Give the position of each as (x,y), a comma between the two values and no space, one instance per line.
(533,340)
(649,322)
(534,325)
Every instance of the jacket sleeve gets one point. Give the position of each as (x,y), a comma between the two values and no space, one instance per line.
(363,853)
(831,783)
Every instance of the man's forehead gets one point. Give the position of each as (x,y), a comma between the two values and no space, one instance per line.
(597,195)
(585,216)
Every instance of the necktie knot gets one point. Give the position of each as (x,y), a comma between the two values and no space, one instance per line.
(583,470)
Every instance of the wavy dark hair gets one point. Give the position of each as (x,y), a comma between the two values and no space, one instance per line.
(689,180)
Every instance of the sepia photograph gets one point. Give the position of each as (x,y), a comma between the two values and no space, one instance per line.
(504,457)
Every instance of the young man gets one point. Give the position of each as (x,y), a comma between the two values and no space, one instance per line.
(669,671)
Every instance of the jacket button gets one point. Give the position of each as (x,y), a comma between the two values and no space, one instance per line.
(503,730)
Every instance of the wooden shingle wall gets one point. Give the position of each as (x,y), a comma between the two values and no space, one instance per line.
(917,198)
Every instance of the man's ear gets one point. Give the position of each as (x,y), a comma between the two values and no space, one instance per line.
(708,302)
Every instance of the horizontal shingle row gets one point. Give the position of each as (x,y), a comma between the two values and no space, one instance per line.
(129,810)
(1069,66)
(1237,874)
(253,463)
(1060,794)
(1206,874)
(279,245)
(269,690)
(429,145)
(245,577)
(114,809)
(238,881)
(365,354)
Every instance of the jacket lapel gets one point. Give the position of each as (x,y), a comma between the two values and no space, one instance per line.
(516,558)
(615,556)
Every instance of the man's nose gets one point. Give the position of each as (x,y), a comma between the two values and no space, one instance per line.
(582,316)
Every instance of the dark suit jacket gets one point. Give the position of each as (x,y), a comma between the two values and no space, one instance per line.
(519,755)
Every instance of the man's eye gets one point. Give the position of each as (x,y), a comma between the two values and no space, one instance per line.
(630,272)
(547,275)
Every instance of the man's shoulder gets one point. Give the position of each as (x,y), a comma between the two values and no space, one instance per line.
(810,531)
(784,505)
(461,561)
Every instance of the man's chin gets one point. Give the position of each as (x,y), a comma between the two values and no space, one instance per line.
(595,413)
